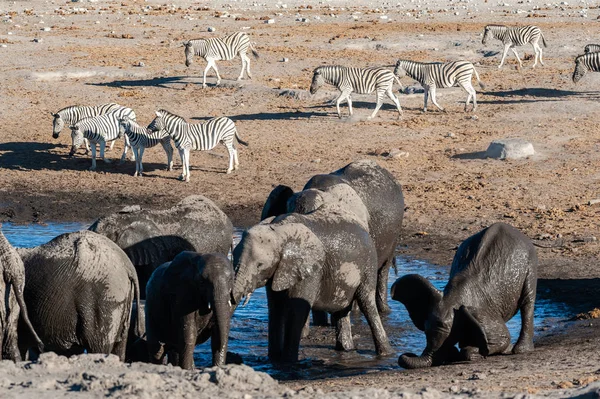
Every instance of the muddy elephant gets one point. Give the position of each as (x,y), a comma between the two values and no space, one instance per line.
(380,194)
(493,276)
(13,308)
(153,237)
(323,260)
(79,289)
(188,301)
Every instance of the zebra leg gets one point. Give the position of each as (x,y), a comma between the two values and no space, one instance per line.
(425,97)
(248,66)
(236,161)
(127,146)
(243,58)
(504,53)
(182,156)
(540,50)
(87,145)
(138,158)
(166,144)
(112,144)
(102,148)
(472,94)
(343,96)
(392,96)
(433,99)
(514,50)
(187,165)
(210,63)
(137,166)
(349,101)
(93,147)
(230,151)
(214,66)
(378,105)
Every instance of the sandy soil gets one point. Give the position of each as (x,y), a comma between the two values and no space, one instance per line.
(57,53)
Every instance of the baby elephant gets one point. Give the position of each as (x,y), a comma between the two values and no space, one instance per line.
(493,275)
(188,302)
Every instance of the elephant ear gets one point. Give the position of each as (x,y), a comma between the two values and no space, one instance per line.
(305,201)
(276,203)
(302,256)
(418,295)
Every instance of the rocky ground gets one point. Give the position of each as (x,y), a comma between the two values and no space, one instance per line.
(58,53)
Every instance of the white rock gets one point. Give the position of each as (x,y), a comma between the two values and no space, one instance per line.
(47,29)
(509,149)
(211,29)
(270,21)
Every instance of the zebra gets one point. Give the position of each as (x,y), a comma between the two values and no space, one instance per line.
(198,136)
(512,36)
(434,75)
(592,48)
(75,113)
(359,80)
(100,130)
(585,63)
(141,138)
(215,49)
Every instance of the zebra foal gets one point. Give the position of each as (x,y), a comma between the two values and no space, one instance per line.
(357,80)
(513,36)
(434,75)
(592,48)
(215,49)
(99,130)
(75,113)
(584,63)
(198,136)
(141,138)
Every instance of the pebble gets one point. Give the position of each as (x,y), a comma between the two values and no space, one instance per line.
(450,135)
(140,64)
(594,201)
(285,59)
(270,21)
(36,40)
(47,29)
(396,153)
(3,45)
(509,149)
(211,29)
(478,376)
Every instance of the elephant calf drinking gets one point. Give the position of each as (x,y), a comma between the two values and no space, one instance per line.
(493,276)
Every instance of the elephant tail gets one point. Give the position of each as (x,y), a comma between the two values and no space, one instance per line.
(25,315)
(136,287)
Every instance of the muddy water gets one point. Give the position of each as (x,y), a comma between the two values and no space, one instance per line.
(248,336)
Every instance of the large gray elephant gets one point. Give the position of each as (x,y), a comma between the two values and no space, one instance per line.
(79,289)
(323,260)
(153,237)
(380,194)
(12,303)
(188,301)
(493,275)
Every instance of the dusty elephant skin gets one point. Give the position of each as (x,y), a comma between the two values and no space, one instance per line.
(79,289)
(324,260)
(379,193)
(188,301)
(13,305)
(151,238)
(493,276)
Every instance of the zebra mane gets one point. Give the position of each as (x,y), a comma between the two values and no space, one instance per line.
(168,113)
(579,57)
(70,107)
(495,26)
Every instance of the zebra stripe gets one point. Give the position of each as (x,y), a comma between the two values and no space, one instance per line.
(215,49)
(513,36)
(585,63)
(141,138)
(198,136)
(75,113)
(358,80)
(440,75)
(100,130)
(592,48)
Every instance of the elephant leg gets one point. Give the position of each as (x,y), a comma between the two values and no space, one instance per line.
(382,280)
(189,333)
(306,328)
(525,341)
(365,296)
(320,318)
(276,302)
(173,358)
(343,331)
(297,310)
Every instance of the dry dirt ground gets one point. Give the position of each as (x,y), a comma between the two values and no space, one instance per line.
(58,53)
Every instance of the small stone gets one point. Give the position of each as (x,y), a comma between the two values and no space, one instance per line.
(396,153)
(3,45)
(594,201)
(270,21)
(285,59)
(509,149)
(47,29)
(478,376)
(37,40)
(318,160)
(454,389)
(140,64)
(211,29)
(450,135)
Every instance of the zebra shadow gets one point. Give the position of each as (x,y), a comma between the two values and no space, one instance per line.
(33,156)
(169,82)
(288,115)
(536,94)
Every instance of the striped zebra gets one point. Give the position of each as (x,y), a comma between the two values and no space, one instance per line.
(100,130)
(512,36)
(358,80)
(585,63)
(215,49)
(141,138)
(592,48)
(198,136)
(75,113)
(433,75)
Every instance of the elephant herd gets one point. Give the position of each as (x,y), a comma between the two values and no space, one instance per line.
(323,249)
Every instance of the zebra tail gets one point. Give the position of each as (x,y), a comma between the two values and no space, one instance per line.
(543,40)
(254,52)
(478,80)
(242,142)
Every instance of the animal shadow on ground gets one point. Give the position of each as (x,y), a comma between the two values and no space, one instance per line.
(166,82)
(291,115)
(32,156)
(536,94)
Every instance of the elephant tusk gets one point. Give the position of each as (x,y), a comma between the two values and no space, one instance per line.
(229,303)
(209,306)
(247,300)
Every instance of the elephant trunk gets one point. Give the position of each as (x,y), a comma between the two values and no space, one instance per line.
(222,314)
(243,284)
(411,361)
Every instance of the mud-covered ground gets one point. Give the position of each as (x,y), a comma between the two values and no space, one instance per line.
(57,53)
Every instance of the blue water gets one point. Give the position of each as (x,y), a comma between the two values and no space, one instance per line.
(248,336)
